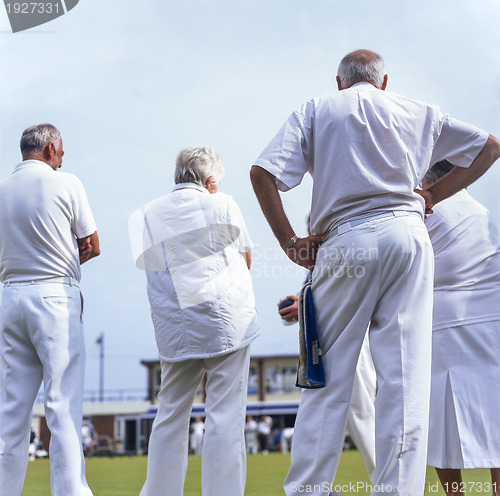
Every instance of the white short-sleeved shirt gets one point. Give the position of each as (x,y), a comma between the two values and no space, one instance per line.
(42,213)
(467,262)
(190,243)
(367,150)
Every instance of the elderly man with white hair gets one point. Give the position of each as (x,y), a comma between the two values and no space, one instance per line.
(47,232)
(195,248)
(367,150)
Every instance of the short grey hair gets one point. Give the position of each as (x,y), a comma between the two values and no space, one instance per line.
(361,65)
(197,164)
(35,138)
(437,171)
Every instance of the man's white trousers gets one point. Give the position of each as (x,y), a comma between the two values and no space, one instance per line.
(223,452)
(378,273)
(361,414)
(41,338)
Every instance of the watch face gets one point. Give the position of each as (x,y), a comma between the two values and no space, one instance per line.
(24,14)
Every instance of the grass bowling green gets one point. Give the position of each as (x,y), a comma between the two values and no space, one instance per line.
(124,476)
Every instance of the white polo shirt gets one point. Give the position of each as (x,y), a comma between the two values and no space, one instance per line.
(367,150)
(42,212)
(467,262)
(190,243)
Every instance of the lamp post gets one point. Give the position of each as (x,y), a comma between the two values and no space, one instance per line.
(100,342)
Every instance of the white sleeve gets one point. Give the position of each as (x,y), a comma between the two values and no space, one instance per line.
(236,218)
(83,223)
(289,154)
(458,142)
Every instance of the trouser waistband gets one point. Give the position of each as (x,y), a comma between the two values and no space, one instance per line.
(346,226)
(71,281)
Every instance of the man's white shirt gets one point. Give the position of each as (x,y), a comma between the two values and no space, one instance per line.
(333,138)
(42,212)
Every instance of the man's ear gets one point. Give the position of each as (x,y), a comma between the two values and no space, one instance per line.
(384,84)
(339,84)
(49,151)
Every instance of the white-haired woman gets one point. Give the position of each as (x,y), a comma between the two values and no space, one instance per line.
(195,248)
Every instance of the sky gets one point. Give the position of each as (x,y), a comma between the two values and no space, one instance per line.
(131,83)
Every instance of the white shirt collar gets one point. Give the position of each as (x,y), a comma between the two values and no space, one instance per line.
(365,84)
(27,163)
(191,186)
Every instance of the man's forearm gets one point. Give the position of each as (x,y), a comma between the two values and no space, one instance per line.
(88,247)
(247,255)
(461,177)
(301,251)
(264,185)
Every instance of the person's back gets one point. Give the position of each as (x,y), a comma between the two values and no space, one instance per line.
(197,269)
(39,215)
(198,234)
(393,139)
(367,150)
(467,262)
(455,228)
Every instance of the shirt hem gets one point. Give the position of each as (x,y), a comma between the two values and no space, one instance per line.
(89,232)
(276,172)
(215,354)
